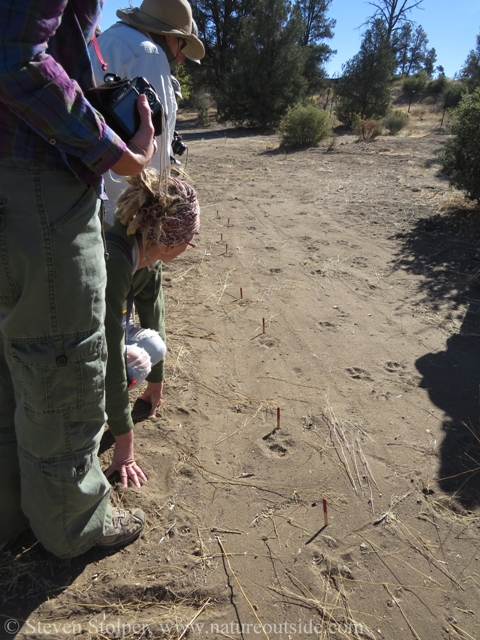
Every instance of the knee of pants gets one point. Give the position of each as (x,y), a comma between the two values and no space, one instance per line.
(139,365)
(151,341)
(60,389)
(153,344)
(66,500)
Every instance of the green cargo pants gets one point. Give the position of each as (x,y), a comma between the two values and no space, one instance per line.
(52,359)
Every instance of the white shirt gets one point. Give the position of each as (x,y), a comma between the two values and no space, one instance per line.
(130,53)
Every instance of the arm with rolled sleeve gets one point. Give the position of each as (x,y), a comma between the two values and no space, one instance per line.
(35,87)
(150,308)
(119,278)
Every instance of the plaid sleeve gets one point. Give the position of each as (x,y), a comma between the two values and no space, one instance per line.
(38,89)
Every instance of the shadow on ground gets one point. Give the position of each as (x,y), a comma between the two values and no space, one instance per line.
(446,251)
(29,576)
(184,127)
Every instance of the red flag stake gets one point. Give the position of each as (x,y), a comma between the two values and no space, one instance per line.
(241,293)
(325,515)
(226,249)
(263,325)
(221,237)
(278,417)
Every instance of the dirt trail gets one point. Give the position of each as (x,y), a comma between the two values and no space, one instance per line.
(371,352)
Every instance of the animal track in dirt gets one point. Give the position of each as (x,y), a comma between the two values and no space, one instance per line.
(327,325)
(359,374)
(278,448)
(359,261)
(268,341)
(278,445)
(340,313)
(345,243)
(393,366)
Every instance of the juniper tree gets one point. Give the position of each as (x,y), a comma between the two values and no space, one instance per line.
(219,24)
(471,69)
(460,159)
(266,73)
(364,89)
(317,27)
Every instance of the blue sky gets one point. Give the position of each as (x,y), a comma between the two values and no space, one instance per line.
(451,27)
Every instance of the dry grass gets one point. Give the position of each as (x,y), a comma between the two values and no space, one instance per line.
(346,441)
(329,603)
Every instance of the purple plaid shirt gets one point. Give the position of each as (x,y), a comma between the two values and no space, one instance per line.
(44,117)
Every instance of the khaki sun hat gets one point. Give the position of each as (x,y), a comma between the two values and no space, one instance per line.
(169,18)
(195,33)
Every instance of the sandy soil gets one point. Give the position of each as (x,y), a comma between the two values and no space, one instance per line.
(336,287)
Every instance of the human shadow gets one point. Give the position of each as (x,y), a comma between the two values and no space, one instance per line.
(29,576)
(446,251)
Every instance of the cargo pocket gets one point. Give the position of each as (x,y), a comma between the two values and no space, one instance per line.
(8,288)
(74,467)
(62,375)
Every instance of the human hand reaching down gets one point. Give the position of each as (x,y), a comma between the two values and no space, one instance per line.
(153,394)
(124,461)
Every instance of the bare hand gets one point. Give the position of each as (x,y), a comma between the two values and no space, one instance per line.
(141,147)
(124,461)
(153,394)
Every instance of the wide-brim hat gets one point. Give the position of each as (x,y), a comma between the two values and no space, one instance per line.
(168,18)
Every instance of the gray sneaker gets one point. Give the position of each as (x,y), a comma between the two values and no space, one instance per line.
(126,526)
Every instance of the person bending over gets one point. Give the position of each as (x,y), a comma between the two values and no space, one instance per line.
(150,229)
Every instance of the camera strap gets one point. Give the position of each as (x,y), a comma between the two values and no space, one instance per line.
(99,53)
(164,160)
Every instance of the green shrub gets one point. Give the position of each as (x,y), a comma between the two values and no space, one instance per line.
(201,102)
(184,78)
(368,129)
(437,85)
(395,122)
(346,111)
(452,94)
(460,159)
(416,83)
(304,125)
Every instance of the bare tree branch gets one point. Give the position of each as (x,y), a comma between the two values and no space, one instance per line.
(393,12)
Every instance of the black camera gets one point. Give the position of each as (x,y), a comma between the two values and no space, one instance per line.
(178,147)
(122,107)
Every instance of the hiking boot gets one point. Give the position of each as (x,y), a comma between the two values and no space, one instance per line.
(126,526)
